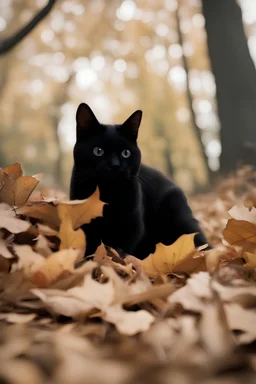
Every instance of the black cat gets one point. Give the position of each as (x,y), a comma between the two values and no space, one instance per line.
(144,207)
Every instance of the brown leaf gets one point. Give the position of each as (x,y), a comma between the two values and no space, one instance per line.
(250,259)
(15,188)
(238,232)
(218,254)
(69,238)
(82,211)
(58,264)
(46,212)
(13,170)
(177,257)
(240,212)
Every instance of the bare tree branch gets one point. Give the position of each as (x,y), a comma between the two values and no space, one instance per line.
(10,42)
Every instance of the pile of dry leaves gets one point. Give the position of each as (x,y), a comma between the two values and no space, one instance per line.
(183,315)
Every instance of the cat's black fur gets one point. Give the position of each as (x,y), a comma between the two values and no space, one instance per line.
(144,207)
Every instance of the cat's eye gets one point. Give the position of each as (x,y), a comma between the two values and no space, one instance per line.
(126,153)
(98,151)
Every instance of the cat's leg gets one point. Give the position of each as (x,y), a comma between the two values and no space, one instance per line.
(175,219)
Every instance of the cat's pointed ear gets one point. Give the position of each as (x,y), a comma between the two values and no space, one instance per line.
(85,120)
(130,127)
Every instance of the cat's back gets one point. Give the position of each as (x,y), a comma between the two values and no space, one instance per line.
(153,182)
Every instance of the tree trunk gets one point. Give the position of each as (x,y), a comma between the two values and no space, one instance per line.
(235,77)
(190,98)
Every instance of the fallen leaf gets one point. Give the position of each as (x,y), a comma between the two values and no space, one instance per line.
(56,265)
(240,212)
(42,246)
(214,331)
(82,211)
(250,259)
(30,261)
(13,170)
(77,301)
(15,188)
(4,251)
(241,319)
(128,323)
(238,232)
(177,257)
(70,238)
(46,212)
(17,318)
(9,221)
(193,295)
(218,254)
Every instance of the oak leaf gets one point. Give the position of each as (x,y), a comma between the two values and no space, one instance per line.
(15,188)
(177,257)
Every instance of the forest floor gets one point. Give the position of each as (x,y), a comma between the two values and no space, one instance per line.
(187,318)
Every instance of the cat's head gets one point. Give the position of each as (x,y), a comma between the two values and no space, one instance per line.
(106,151)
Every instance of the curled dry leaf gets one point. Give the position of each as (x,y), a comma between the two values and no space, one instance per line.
(15,188)
(177,257)
(218,254)
(9,221)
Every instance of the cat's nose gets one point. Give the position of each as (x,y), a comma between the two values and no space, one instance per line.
(115,167)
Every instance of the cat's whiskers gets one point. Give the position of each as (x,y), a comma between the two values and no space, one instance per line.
(83,176)
(148,180)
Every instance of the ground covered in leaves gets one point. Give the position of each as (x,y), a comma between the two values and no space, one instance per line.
(183,315)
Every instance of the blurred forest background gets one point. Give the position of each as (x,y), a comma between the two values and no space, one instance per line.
(188,64)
